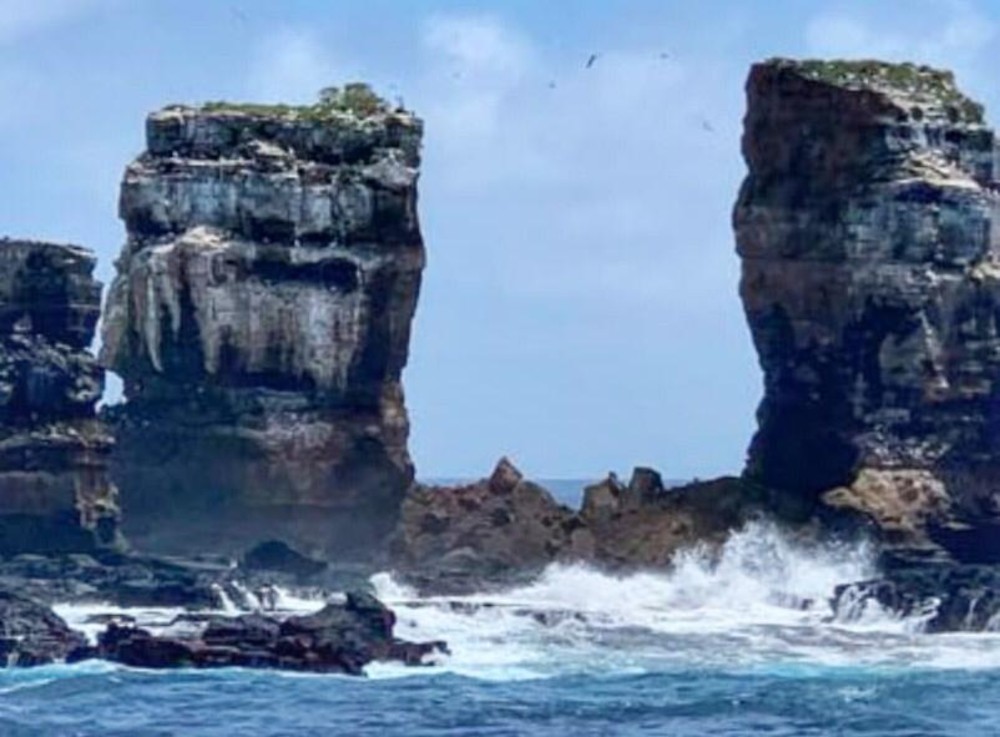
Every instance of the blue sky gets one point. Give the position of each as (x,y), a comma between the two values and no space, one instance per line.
(579,309)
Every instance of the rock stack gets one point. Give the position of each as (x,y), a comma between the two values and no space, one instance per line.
(55,495)
(260,320)
(869,232)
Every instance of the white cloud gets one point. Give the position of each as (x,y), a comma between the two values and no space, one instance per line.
(21,17)
(589,170)
(954,32)
(477,45)
(292,65)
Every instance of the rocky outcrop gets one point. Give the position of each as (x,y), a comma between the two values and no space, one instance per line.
(55,494)
(340,638)
(31,634)
(505,529)
(869,232)
(260,320)
(499,530)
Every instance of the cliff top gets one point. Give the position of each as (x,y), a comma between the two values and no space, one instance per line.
(348,125)
(355,100)
(909,83)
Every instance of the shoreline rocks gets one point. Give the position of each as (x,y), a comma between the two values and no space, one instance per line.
(340,638)
(504,530)
(260,320)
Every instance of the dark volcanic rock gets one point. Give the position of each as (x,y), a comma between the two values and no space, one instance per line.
(505,530)
(275,556)
(341,638)
(31,634)
(260,320)
(945,598)
(55,494)
(869,238)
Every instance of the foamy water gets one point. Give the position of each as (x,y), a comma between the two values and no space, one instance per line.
(764,601)
(739,643)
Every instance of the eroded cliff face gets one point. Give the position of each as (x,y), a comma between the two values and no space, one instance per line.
(260,320)
(869,232)
(55,495)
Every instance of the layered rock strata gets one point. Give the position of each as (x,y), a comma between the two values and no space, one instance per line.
(260,320)
(55,494)
(869,232)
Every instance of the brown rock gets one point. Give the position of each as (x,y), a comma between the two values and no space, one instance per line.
(867,229)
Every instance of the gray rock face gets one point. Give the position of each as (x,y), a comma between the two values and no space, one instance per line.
(260,320)
(869,232)
(55,494)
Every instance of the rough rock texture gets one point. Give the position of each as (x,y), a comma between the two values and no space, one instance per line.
(260,320)
(937,598)
(869,232)
(498,530)
(55,494)
(340,638)
(31,634)
(505,530)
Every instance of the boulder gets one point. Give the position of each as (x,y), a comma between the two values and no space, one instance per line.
(31,634)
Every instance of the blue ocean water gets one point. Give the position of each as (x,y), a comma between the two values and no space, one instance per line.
(84,702)
(739,645)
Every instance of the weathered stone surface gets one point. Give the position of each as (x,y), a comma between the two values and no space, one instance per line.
(869,232)
(260,320)
(341,638)
(938,598)
(54,489)
(31,634)
(505,529)
(497,530)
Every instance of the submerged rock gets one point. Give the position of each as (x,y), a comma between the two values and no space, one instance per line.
(260,320)
(869,232)
(935,598)
(55,494)
(340,638)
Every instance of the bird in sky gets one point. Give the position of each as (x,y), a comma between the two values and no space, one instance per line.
(591,60)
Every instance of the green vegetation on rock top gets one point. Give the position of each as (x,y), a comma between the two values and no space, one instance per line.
(924,84)
(355,99)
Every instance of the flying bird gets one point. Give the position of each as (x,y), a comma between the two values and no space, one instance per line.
(239,14)
(706,126)
(591,60)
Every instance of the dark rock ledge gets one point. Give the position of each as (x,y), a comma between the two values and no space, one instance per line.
(340,638)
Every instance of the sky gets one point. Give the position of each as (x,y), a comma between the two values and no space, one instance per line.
(579,311)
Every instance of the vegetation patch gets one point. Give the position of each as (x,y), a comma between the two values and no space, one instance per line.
(923,84)
(356,99)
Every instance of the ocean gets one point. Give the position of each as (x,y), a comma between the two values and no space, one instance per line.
(742,645)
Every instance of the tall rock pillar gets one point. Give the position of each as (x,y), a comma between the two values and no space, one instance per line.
(55,495)
(869,232)
(260,320)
